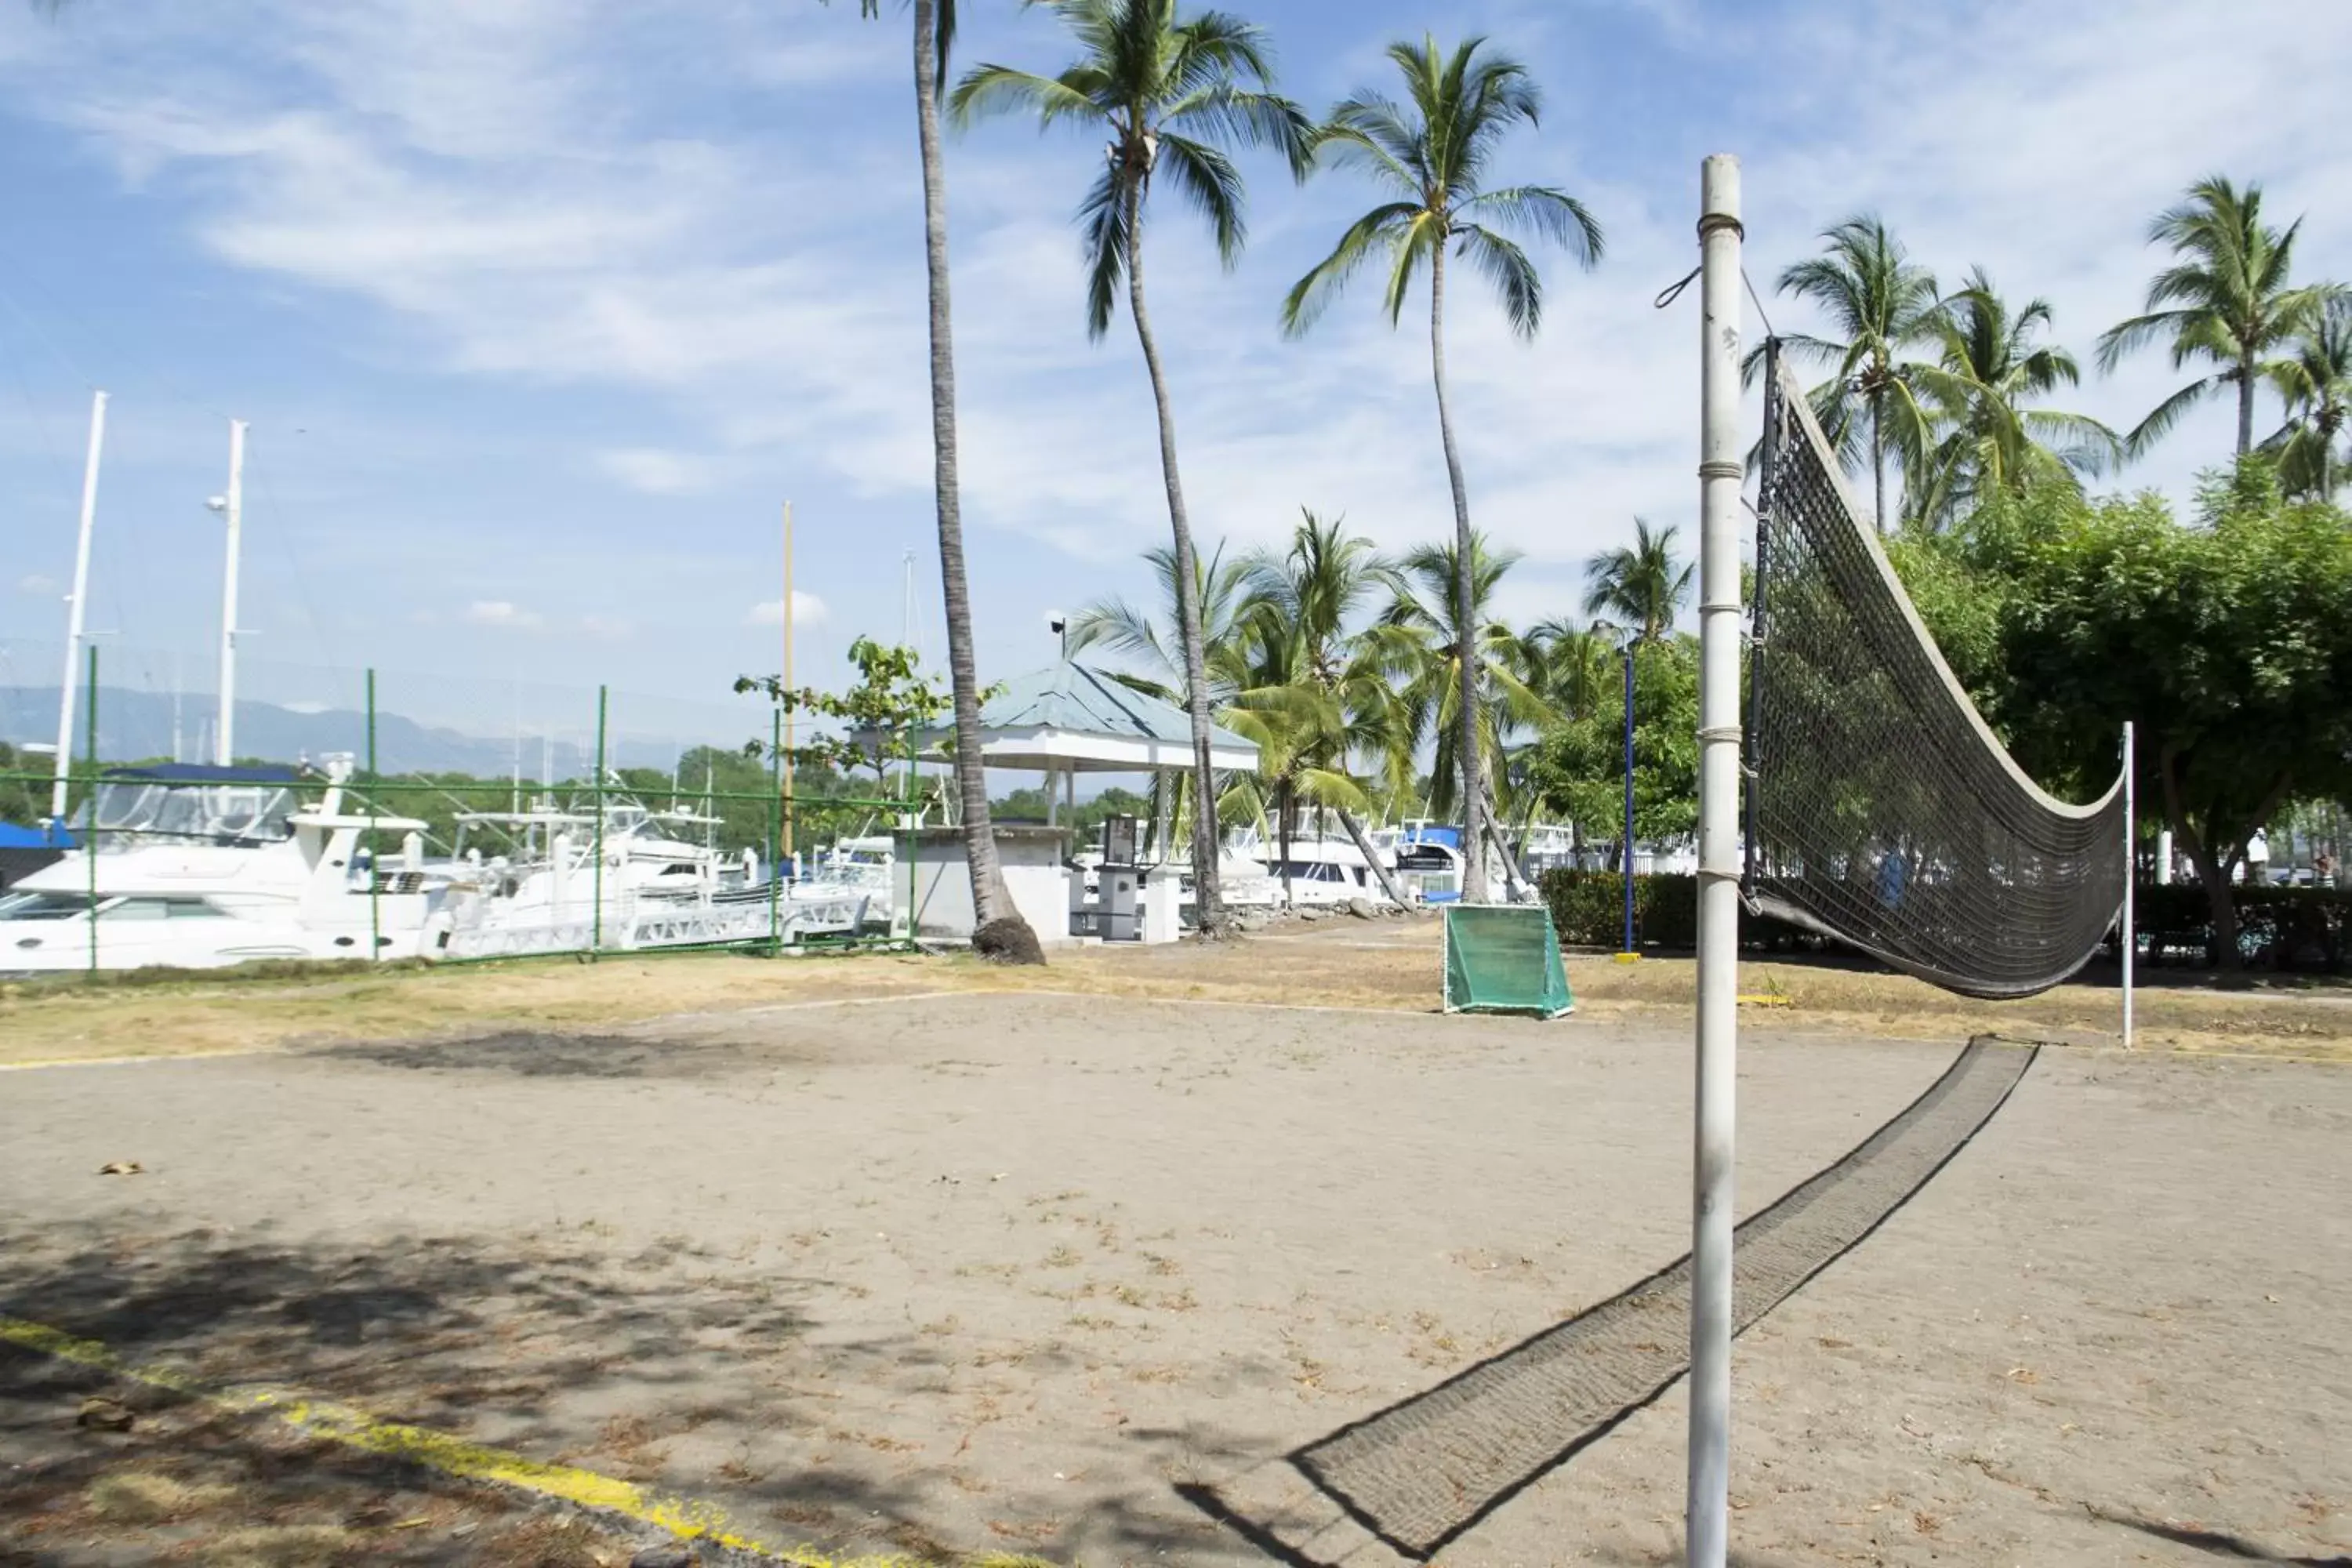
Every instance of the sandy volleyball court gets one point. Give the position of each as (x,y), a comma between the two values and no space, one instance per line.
(1062,1276)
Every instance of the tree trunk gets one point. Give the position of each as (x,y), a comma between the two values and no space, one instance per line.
(2245,404)
(1465,630)
(1208,898)
(990,903)
(1513,882)
(1877,464)
(1282,840)
(1371,857)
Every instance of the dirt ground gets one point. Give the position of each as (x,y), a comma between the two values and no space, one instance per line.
(1338,962)
(946,1275)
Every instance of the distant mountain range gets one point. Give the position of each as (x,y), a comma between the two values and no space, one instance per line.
(135,725)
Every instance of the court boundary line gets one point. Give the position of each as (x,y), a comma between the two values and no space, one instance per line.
(458,1458)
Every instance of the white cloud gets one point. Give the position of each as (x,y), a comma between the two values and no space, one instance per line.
(503,613)
(657,472)
(34,583)
(808,610)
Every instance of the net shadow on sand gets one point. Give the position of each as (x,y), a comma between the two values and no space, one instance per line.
(1417,1475)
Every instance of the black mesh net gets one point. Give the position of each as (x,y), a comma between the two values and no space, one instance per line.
(1880,811)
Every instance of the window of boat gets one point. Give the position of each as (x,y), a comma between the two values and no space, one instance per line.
(158,909)
(29,904)
(223,813)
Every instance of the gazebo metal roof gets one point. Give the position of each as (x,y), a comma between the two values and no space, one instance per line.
(1071,717)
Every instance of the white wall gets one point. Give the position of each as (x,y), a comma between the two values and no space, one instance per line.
(1031,859)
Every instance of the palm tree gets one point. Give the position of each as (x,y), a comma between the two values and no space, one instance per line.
(2226,298)
(1880,303)
(1320,697)
(1420,644)
(1172,95)
(1000,932)
(1985,440)
(2316,383)
(1433,156)
(1154,640)
(1641,587)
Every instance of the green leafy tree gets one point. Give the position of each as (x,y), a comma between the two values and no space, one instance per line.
(2316,383)
(1985,437)
(1579,762)
(1432,154)
(1879,303)
(1640,587)
(1000,932)
(2225,643)
(881,716)
(2229,300)
(1173,94)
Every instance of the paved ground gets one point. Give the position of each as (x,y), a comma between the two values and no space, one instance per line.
(1028,1273)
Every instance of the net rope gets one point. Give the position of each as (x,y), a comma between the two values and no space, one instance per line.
(1882,811)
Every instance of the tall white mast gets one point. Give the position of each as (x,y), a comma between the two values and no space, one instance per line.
(78,613)
(233,504)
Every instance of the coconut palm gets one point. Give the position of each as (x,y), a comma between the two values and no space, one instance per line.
(1640,587)
(1320,698)
(2226,299)
(1985,439)
(1879,303)
(2316,383)
(999,929)
(1152,637)
(1173,94)
(1420,644)
(1433,155)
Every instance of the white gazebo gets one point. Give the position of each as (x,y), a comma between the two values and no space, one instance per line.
(1061,721)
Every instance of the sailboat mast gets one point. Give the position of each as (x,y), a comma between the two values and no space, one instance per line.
(224,733)
(78,613)
(787,682)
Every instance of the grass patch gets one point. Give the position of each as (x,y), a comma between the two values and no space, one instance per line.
(143,1496)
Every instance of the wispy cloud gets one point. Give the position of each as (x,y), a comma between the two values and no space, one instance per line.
(34,583)
(808,610)
(503,613)
(657,472)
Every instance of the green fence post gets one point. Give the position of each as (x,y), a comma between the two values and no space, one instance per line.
(596,794)
(775,824)
(90,802)
(375,876)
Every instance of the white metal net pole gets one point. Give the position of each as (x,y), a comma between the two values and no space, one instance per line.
(1712,1197)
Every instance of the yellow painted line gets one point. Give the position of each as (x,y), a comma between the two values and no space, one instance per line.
(688,1517)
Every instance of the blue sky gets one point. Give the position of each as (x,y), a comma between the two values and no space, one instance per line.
(539,308)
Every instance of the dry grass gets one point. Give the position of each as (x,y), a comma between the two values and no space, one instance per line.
(142,1497)
(283,1546)
(1335,963)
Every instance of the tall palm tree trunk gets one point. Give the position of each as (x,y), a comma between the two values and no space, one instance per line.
(1208,897)
(1386,876)
(1473,850)
(991,902)
(1877,462)
(2245,404)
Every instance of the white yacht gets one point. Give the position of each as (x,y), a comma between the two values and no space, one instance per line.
(198,867)
(1325,867)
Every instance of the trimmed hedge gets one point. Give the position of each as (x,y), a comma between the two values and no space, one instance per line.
(1588,909)
(2306,930)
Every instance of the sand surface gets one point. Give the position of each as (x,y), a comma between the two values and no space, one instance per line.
(1015,1272)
